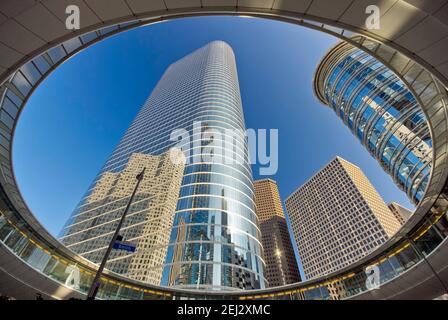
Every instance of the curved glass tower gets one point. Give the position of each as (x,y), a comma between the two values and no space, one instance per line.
(381,111)
(214,241)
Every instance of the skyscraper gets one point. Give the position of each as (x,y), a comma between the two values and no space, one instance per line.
(338,217)
(281,264)
(214,242)
(381,111)
(401,213)
(149,221)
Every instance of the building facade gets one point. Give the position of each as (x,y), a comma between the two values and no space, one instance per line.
(214,242)
(401,213)
(149,220)
(381,111)
(337,217)
(281,264)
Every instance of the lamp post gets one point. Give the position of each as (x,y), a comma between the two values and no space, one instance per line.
(96,281)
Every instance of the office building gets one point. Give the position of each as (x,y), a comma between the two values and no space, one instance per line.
(214,242)
(381,112)
(337,217)
(401,213)
(281,264)
(148,223)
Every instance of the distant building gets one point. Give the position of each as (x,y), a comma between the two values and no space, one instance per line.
(338,217)
(281,264)
(401,213)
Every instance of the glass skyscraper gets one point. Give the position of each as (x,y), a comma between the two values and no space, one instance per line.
(381,111)
(214,240)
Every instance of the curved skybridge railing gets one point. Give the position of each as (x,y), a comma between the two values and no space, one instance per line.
(78,275)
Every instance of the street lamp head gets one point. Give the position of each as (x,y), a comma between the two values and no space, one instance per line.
(139,177)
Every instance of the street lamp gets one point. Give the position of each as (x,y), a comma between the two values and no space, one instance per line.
(96,281)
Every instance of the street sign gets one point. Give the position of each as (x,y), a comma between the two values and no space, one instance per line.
(126,246)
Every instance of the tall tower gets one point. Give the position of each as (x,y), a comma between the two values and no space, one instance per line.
(281,264)
(149,221)
(214,242)
(338,217)
(381,112)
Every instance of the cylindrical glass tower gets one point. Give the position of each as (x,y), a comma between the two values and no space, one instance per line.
(215,241)
(381,111)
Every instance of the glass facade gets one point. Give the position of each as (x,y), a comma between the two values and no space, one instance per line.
(381,111)
(215,241)
(391,263)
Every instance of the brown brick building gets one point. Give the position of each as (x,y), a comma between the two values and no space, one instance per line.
(281,264)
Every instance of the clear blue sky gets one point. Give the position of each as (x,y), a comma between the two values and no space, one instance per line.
(77,116)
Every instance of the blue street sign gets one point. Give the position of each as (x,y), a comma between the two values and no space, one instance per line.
(124,246)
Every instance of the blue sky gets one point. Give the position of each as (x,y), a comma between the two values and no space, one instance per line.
(77,116)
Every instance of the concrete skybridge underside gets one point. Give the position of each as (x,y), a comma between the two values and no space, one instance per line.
(412,41)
